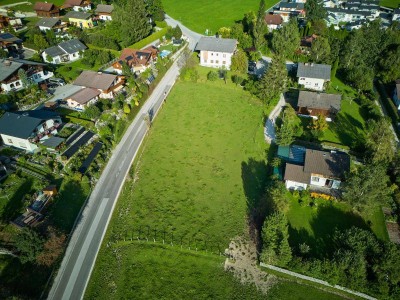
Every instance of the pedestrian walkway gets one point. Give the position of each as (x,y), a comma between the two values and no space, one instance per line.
(269,128)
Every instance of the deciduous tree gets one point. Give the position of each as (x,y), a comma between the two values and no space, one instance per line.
(380,142)
(286,40)
(321,50)
(290,127)
(29,245)
(274,80)
(315,10)
(239,62)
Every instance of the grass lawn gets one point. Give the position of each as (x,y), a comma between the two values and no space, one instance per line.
(25,6)
(316,225)
(390,3)
(212,15)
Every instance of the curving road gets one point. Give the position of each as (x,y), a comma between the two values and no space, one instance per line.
(76,267)
(191,35)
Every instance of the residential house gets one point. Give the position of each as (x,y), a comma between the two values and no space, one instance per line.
(26,129)
(216,52)
(314,104)
(290,9)
(45,24)
(396,15)
(273,21)
(313,76)
(107,84)
(80,19)
(104,11)
(83,98)
(306,42)
(66,51)
(12,22)
(44,9)
(137,60)
(9,78)
(396,94)
(10,42)
(321,170)
(78,5)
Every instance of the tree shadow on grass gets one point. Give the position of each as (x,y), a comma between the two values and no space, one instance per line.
(345,127)
(16,202)
(327,220)
(254,178)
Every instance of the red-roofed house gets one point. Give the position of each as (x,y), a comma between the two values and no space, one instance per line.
(273,21)
(44,9)
(78,5)
(137,60)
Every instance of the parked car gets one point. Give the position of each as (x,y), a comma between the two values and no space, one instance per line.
(57,81)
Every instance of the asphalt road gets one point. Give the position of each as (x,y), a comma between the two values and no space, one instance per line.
(74,273)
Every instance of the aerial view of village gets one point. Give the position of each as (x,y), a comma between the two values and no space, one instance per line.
(174,149)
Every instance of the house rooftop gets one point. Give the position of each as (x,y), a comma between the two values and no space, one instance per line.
(53,142)
(330,164)
(10,66)
(296,173)
(273,19)
(44,6)
(84,95)
(78,15)
(216,44)
(319,100)
(54,51)
(71,3)
(9,38)
(21,124)
(311,70)
(103,8)
(96,80)
(48,22)
(72,46)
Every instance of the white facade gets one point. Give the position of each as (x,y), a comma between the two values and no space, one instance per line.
(293,185)
(105,17)
(62,58)
(315,84)
(82,8)
(216,59)
(17,84)
(77,106)
(18,143)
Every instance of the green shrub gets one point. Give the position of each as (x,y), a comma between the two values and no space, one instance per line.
(151,38)
(212,76)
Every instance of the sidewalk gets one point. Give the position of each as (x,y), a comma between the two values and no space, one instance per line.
(269,128)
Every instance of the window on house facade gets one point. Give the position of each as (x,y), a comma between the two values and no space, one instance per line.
(212,54)
(315,179)
(224,55)
(212,61)
(17,83)
(217,61)
(205,61)
(224,62)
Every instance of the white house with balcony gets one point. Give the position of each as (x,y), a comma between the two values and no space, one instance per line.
(26,129)
(321,169)
(216,52)
(10,79)
(104,11)
(64,52)
(313,76)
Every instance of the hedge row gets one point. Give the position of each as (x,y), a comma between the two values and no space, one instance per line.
(151,38)
(388,103)
(83,122)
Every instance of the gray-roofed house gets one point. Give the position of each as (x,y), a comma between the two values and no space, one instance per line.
(396,94)
(83,98)
(66,51)
(107,84)
(216,52)
(45,24)
(313,76)
(9,78)
(321,169)
(80,19)
(26,129)
(104,12)
(314,104)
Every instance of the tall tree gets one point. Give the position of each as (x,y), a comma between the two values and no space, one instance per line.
(321,51)
(290,127)
(367,187)
(315,10)
(276,249)
(132,20)
(260,28)
(389,64)
(155,10)
(274,80)
(318,126)
(29,245)
(286,40)
(239,62)
(40,42)
(380,142)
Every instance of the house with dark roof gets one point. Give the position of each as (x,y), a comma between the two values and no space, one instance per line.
(78,5)
(83,98)
(216,52)
(45,9)
(313,76)
(66,51)
(104,11)
(273,21)
(26,129)
(45,24)
(80,19)
(321,169)
(396,94)
(107,84)
(314,104)
(9,41)
(10,79)
(290,9)
(137,60)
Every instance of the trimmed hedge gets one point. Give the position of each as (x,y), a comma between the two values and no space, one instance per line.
(151,38)
(388,103)
(83,122)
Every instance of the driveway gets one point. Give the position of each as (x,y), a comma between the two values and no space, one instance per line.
(269,128)
(193,37)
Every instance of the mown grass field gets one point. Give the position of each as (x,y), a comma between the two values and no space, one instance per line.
(390,3)
(212,15)
(200,168)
